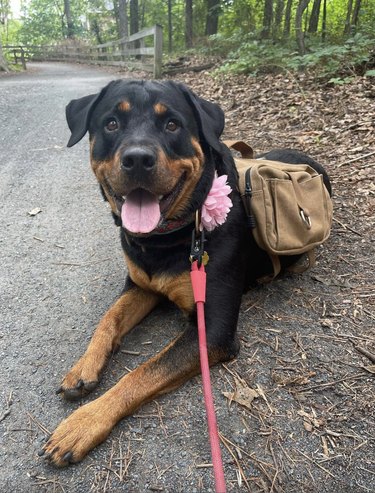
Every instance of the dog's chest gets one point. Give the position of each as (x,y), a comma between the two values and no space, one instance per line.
(177,288)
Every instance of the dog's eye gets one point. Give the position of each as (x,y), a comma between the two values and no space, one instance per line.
(172,126)
(111,125)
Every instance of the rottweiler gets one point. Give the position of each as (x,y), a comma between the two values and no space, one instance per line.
(155,149)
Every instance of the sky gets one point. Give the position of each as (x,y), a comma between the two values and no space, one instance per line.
(15,5)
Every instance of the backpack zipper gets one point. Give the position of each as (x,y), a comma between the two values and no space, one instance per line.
(248,194)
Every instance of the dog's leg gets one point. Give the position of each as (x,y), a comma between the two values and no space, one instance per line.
(90,424)
(125,313)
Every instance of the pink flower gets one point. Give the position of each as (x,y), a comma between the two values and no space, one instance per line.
(217,204)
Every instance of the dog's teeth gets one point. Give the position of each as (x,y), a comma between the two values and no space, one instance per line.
(160,197)
(123,197)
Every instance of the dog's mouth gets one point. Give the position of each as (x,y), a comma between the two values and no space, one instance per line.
(143,211)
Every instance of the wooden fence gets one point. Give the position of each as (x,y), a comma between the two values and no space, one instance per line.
(131,52)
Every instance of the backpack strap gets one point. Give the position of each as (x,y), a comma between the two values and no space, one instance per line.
(244,149)
(306,262)
(300,267)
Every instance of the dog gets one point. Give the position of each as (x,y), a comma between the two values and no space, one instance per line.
(155,149)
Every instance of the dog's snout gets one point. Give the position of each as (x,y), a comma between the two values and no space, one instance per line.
(137,159)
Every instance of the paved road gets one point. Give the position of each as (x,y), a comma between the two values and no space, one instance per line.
(60,271)
(62,268)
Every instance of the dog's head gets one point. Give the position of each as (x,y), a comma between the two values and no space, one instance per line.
(152,146)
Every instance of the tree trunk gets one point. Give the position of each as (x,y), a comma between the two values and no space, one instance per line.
(314,18)
(288,16)
(267,19)
(116,14)
(278,18)
(188,24)
(170,27)
(348,16)
(123,19)
(324,21)
(212,17)
(96,29)
(300,35)
(355,16)
(69,21)
(134,24)
(3,63)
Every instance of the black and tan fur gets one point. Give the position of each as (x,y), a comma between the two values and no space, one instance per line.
(160,137)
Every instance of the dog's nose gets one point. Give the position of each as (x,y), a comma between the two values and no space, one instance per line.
(138,158)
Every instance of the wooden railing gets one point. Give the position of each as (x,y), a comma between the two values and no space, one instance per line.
(130,52)
(16,54)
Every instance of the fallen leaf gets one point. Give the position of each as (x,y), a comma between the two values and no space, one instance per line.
(34,211)
(243,395)
(310,420)
(326,322)
(308,426)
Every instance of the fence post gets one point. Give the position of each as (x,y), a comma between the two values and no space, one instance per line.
(158,51)
(23,60)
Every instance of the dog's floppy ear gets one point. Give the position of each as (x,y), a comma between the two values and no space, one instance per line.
(210,118)
(78,113)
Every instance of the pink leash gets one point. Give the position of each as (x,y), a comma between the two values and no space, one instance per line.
(198,281)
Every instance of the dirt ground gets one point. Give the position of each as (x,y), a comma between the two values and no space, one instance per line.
(307,341)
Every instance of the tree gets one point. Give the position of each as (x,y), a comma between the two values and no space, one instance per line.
(69,20)
(348,16)
(278,18)
(44,21)
(96,30)
(212,17)
(314,17)
(188,24)
(355,16)
(170,28)
(123,19)
(3,64)
(324,21)
(134,22)
(300,35)
(288,16)
(267,18)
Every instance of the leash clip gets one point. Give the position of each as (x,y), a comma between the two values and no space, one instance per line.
(197,252)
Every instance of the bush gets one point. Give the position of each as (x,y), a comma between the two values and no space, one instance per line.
(254,56)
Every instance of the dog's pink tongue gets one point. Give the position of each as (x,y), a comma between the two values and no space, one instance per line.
(140,212)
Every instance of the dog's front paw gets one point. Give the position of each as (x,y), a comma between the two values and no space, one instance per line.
(78,434)
(81,379)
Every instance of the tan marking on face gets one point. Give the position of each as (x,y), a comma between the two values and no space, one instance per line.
(176,288)
(124,106)
(104,170)
(160,108)
(167,175)
(193,168)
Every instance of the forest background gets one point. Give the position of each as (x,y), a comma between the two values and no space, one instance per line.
(336,38)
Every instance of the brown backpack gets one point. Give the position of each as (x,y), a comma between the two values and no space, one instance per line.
(288,206)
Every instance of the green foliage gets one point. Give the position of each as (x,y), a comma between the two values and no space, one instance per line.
(254,56)
(220,44)
(370,73)
(338,81)
(9,34)
(239,40)
(44,21)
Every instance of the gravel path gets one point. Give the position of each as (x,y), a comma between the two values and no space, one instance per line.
(311,428)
